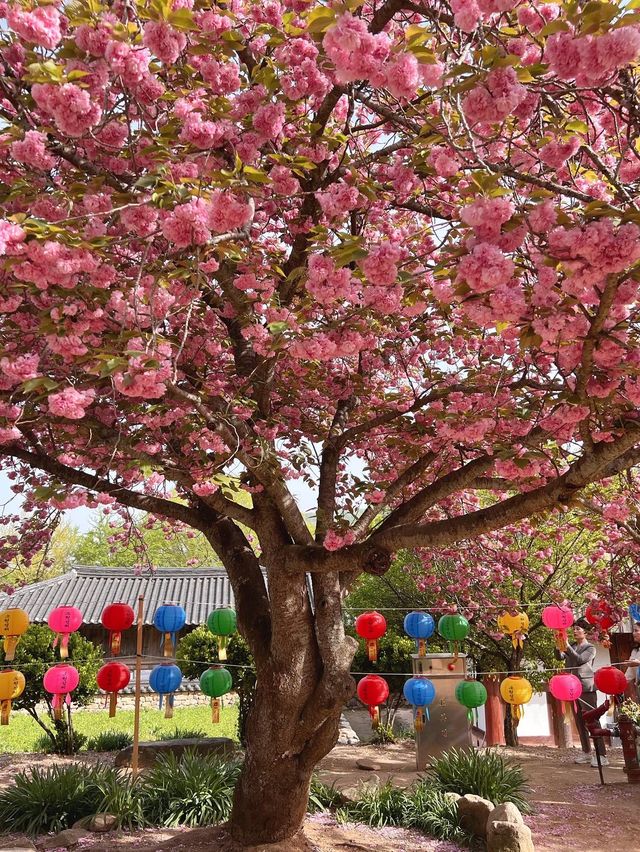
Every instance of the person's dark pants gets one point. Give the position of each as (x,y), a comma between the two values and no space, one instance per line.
(587,701)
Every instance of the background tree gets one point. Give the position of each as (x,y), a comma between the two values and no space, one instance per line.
(390,250)
(199,646)
(34,655)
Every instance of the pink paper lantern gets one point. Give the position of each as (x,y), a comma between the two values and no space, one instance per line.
(558,619)
(566,687)
(64,620)
(61,680)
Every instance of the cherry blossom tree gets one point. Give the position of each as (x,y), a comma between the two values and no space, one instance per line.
(389,249)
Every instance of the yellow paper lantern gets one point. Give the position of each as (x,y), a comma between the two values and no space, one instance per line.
(13,623)
(12,686)
(516,690)
(514,625)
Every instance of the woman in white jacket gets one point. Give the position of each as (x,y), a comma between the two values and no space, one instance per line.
(632,672)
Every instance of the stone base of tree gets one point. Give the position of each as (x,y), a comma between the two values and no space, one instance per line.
(149,752)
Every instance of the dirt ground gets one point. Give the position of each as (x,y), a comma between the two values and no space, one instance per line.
(571,811)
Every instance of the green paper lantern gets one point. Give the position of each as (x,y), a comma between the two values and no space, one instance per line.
(222,623)
(471,694)
(215,683)
(454,627)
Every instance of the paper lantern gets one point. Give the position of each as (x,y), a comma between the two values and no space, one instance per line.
(516,690)
(514,625)
(567,688)
(61,680)
(222,623)
(13,623)
(454,628)
(112,678)
(419,692)
(558,619)
(117,617)
(372,691)
(602,615)
(471,694)
(610,680)
(634,611)
(419,626)
(169,619)
(216,682)
(165,679)
(12,686)
(64,620)
(371,626)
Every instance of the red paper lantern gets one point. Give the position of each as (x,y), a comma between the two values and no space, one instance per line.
(371,626)
(117,617)
(601,614)
(566,687)
(610,680)
(112,678)
(372,691)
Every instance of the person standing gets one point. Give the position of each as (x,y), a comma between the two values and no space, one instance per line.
(579,656)
(632,672)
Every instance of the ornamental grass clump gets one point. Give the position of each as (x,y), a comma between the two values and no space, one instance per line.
(481,773)
(192,790)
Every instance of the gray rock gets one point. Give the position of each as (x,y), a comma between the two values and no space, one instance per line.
(474,812)
(98,823)
(21,845)
(67,838)
(346,734)
(149,752)
(368,765)
(506,812)
(509,837)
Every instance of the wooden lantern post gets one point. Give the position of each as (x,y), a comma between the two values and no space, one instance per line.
(138,694)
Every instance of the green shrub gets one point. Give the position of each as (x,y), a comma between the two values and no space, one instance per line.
(181,734)
(110,741)
(52,799)
(482,773)
(189,791)
(323,797)
(434,813)
(201,644)
(57,742)
(36,654)
(378,806)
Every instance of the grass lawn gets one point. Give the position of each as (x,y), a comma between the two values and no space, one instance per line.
(23,732)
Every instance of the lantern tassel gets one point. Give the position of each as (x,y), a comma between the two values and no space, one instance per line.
(422,647)
(56,705)
(470,715)
(116,642)
(215,711)
(456,652)
(372,650)
(375,717)
(167,645)
(113,697)
(5,710)
(10,643)
(222,647)
(168,707)
(418,720)
(64,646)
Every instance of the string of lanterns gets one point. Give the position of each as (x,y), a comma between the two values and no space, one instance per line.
(373,690)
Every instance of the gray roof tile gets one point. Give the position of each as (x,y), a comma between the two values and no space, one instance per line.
(198,590)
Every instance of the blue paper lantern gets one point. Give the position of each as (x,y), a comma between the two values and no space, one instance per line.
(169,619)
(420,692)
(165,679)
(634,611)
(419,626)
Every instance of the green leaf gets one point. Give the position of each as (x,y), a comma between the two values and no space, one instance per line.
(320,19)
(39,383)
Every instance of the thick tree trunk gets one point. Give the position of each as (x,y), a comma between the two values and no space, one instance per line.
(510,728)
(270,800)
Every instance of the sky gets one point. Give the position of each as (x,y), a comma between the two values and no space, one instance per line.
(83,518)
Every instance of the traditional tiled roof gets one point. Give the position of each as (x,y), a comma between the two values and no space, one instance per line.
(198,590)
